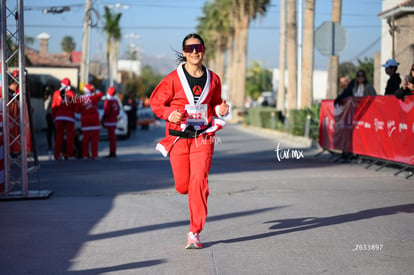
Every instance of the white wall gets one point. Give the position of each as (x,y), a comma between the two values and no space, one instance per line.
(133,66)
(386,43)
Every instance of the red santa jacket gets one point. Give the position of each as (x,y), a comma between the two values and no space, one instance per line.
(111,111)
(87,106)
(173,93)
(63,108)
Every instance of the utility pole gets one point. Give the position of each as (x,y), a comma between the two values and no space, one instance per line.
(334,60)
(84,68)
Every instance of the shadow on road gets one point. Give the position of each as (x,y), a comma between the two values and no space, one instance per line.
(287,226)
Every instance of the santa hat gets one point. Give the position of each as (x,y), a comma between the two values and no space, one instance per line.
(65,83)
(111,91)
(14,77)
(88,88)
(15,73)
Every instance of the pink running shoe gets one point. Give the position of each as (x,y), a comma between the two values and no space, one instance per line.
(193,241)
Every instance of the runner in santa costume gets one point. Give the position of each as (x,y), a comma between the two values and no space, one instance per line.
(14,114)
(63,114)
(187,99)
(110,119)
(87,106)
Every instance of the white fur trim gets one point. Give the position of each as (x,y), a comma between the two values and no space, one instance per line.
(90,128)
(226,116)
(160,148)
(169,117)
(65,118)
(217,123)
(186,86)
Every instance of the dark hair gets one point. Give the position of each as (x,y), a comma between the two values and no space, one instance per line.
(410,79)
(362,72)
(179,54)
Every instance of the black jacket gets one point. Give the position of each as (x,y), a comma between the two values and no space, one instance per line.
(393,84)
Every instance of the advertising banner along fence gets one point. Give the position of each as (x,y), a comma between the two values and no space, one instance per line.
(375,126)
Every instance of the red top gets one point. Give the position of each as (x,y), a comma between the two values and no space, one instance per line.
(87,106)
(64,108)
(111,112)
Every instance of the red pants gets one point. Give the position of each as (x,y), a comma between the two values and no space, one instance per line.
(61,126)
(190,162)
(92,137)
(112,138)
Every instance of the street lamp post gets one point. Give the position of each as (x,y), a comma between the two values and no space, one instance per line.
(84,68)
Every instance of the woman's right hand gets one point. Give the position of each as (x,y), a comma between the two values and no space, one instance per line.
(176,116)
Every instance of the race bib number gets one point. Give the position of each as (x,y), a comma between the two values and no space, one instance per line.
(197,115)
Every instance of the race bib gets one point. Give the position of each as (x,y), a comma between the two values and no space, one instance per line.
(197,115)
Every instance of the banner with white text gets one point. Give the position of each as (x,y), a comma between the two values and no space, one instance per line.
(375,126)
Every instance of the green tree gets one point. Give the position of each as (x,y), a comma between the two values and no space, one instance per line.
(258,79)
(143,85)
(346,69)
(29,40)
(367,64)
(350,69)
(113,35)
(150,80)
(67,44)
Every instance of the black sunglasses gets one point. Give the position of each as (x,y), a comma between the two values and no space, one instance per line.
(190,48)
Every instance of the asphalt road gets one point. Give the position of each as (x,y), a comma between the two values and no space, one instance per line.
(268,214)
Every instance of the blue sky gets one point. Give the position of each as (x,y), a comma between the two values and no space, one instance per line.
(162,24)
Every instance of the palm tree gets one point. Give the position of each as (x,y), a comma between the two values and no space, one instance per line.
(215,27)
(113,35)
(242,12)
(308,57)
(67,44)
(292,55)
(282,58)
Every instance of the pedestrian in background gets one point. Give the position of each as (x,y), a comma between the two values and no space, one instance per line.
(187,99)
(362,87)
(63,114)
(110,119)
(87,106)
(406,78)
(50,130)
(347,85)
(407,89)
(394,82)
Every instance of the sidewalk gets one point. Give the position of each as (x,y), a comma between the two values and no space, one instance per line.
(293,216)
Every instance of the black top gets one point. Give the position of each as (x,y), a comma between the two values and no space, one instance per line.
(393,84)
(196,83)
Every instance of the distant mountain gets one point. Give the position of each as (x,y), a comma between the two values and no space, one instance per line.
(160,64)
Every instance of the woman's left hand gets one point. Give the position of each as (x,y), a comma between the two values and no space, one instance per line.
(224,108)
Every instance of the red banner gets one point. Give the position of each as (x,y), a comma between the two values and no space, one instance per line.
(374,126)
